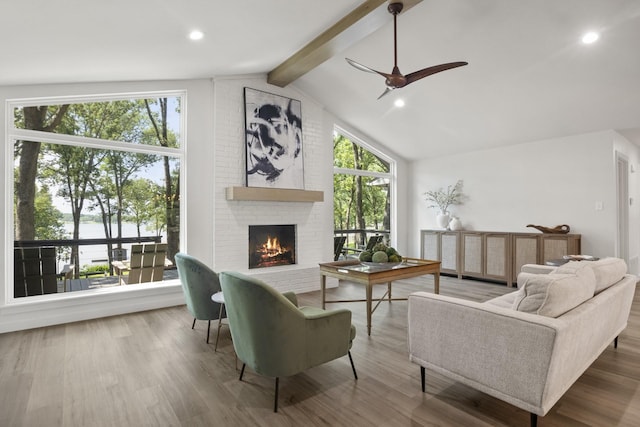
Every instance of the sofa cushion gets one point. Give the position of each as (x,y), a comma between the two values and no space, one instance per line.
(553,294)
(608,271)
(504,301)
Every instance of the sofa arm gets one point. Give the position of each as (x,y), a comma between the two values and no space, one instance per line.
(501,352)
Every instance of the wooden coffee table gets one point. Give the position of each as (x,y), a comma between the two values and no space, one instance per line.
(355,271)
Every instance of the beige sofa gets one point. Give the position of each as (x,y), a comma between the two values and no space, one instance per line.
(529,346)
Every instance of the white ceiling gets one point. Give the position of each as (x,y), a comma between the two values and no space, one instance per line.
(529,77)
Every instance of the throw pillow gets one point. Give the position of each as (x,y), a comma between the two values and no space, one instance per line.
(554,294)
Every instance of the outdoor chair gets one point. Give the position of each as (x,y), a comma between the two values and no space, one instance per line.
(34,272)
(199,283)
(373,240)
(147,263)
(338,246)
(275,337)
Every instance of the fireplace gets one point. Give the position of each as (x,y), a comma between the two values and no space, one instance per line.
(272,245)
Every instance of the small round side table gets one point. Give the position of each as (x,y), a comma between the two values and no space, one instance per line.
(219,298)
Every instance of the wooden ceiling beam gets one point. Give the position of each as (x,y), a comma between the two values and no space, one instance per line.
(362,21)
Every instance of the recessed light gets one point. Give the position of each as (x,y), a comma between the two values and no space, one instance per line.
(590,37)
(196,35)
(399,103)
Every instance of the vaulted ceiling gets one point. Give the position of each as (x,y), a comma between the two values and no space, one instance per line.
(529,76)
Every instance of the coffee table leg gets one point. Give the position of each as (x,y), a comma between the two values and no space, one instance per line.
(323,286)
(436,282)
(369,292)
(389,290)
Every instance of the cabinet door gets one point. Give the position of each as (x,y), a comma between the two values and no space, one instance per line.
(430,245)
(497,255)
(472,254)
(525,251)
(449,246)
(557,246)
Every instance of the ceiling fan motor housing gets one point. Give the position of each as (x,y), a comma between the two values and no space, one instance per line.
(395,7)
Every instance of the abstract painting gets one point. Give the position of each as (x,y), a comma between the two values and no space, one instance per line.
(273,129)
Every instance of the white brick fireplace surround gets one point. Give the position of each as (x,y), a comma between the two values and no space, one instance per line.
(232,218)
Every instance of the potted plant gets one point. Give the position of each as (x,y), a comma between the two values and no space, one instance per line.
(442,199)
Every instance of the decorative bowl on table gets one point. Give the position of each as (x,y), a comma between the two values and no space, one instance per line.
(380,255)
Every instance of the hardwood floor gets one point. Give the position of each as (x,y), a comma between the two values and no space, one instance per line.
(151,369)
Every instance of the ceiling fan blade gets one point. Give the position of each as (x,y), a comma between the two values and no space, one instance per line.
(412,77)
(365,68)
(386,91)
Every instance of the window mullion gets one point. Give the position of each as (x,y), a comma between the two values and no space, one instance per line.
(83,141)
(361,172)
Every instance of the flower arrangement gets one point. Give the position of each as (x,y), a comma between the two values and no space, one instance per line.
(442,199)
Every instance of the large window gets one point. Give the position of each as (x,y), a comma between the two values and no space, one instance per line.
(362,185)
(92,177)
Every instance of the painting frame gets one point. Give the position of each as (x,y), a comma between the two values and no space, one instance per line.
(273,140)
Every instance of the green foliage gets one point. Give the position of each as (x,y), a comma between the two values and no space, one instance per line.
(372,208)
(49,223)
(99,268)
(144,204)
(102,181)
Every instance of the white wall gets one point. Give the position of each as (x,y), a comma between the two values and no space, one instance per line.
(550,182)
(232,218)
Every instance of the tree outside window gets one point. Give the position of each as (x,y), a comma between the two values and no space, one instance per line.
(113,162)
(361,191)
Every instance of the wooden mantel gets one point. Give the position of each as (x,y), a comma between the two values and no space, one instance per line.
(273,194)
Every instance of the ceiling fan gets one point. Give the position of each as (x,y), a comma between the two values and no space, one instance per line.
(396,79)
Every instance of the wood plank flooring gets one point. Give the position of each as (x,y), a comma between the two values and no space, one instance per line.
(151,369)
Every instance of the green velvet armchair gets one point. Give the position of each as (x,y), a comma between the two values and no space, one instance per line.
(199,282)
(276,338)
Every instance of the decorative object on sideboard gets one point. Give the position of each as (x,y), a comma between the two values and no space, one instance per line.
(442,199)
(558,229)
(455,224)
(442,219)
(273,130)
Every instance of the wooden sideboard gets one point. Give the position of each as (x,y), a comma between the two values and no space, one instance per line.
(493,255)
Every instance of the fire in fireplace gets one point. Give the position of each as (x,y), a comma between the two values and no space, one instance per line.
(272,245)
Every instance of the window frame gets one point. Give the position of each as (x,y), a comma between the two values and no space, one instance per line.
(14,134)
(391,175)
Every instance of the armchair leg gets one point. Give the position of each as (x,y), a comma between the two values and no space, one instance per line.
(534,420)
(422,379)
(193,325)
(275,402)
(208,329)
(352,365)
(615,342)
(242,371)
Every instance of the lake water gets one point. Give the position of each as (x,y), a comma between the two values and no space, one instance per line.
(97,254)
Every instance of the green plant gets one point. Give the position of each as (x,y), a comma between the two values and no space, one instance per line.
(100,268)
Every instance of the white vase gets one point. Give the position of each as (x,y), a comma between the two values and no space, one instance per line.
(443,220)
(455,224)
